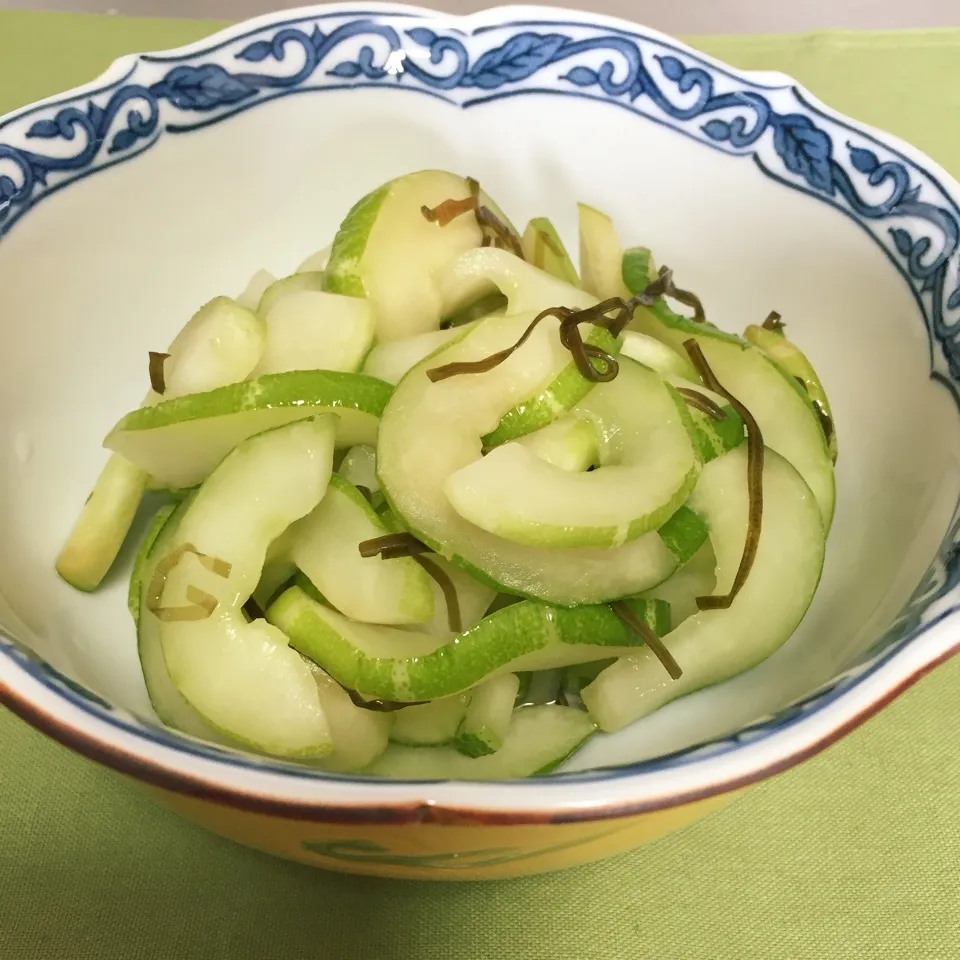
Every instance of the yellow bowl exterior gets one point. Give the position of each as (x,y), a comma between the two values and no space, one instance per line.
(430,851)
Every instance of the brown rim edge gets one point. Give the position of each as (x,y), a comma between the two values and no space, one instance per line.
(425,813)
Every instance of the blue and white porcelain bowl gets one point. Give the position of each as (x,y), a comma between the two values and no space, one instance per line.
(175,175)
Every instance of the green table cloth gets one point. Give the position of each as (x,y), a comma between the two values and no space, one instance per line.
(855,854)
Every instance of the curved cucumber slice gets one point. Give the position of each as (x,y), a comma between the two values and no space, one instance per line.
(792,360)
(478,273)
(391,664)
(242,677)
(324,545)
(784,412)
(713,645)
(103,524)
(387,251)
(543,248)
(180,441)
(659,321)
(430,430)
(391,360)
(281,289)
(153,531)
(648,466)
(656,355)
(359,467)
(310,330)
(359,736)
(697,578)
(255,289)
(430,724)
(488,716)
(538,740)
(711,437)
(221,343)
(569,443)
(316,262)
(165,699)
(600,254)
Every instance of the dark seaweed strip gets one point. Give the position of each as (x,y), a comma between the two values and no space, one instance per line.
(631,620)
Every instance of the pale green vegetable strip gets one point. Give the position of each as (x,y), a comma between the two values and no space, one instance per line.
(488,716)
(538,740)
(430,724)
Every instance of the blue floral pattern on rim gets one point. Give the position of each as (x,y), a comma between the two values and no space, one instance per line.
(901,205)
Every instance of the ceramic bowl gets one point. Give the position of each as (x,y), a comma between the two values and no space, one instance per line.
(175,175)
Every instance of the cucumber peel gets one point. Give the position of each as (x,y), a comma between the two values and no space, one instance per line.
(525,636)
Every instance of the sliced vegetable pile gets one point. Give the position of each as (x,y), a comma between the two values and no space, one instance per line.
(442,506)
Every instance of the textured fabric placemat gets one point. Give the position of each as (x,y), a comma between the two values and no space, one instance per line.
(855,854)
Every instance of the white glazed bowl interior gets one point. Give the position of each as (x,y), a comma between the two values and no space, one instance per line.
(101,272)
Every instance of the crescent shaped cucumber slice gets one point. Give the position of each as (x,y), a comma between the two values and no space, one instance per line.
(543,248)
(537,741)
(714,645)
(387,251)
(311,330)
(391,664)
(180,441)
(488,716)
(242,677)
(391,360)
(430,430)
(324,546)
(648,467)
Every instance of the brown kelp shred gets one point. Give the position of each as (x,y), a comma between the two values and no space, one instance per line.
(495,231)
(663,286)
(754,479)
(380,706)
(773,322)
(393,545)
(593,363)
(631,620)
(703,403)
(201,604)
(454,618)
(157,382)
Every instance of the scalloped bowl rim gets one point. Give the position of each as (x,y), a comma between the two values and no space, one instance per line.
(51,703)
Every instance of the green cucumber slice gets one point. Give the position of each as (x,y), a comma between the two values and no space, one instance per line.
(714,645)
(648,467)
(242,677)
(657,355)
(167,702)
(180,441)
(279,290)
(310,330)
(387,251)
(359,736)
(476,274)
(659,321)
(789,356)
(569,444)
(696,578)
(543,248)
(600,254)
(538,740)
(316,262)
(153,531)
(391,664)
(488,716)
(430,724)
(103,524)
(390,361)
(324,545)
(780,405)
(222,343)
(711,437)
(429,430)
(486,306)
(249,299)
(359,467)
